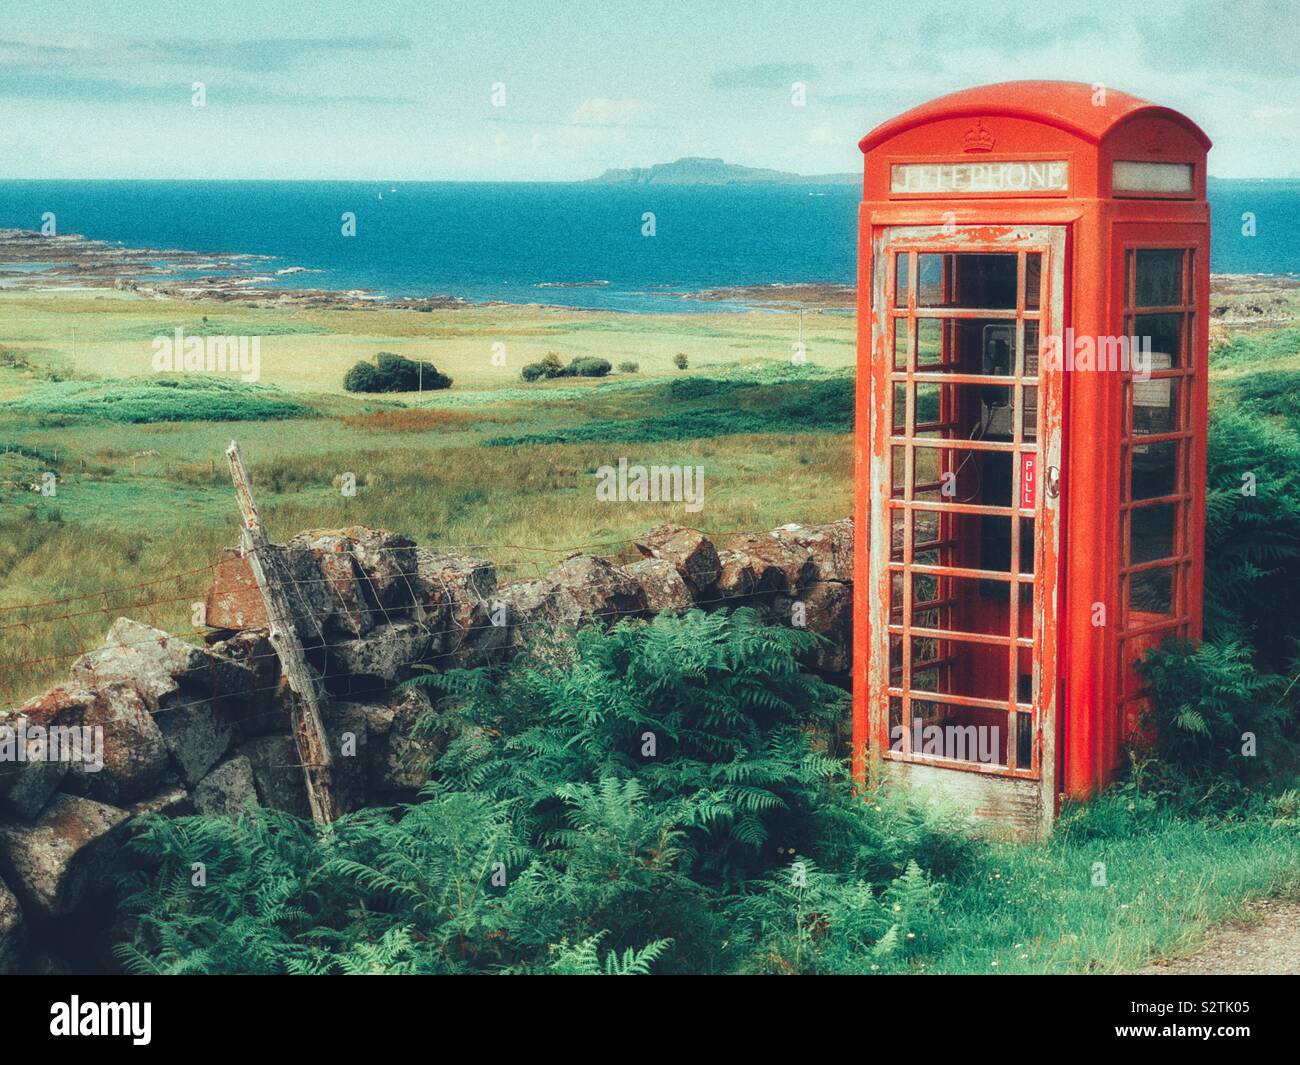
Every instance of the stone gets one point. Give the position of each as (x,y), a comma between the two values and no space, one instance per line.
(454,595)
(12,931)
(258,708)
(388,566)
(398,762)
(63,858)
(584,588)
(134,753)
(196,736)
(348,729)
(277,774)
(690,551)
(661,583)
(233,600)
(326,582)
(827,610)
(737,578)
(227,790)
(170,802)
(829,546)
(161,667)
(387,652)
(779,565)
(26,784)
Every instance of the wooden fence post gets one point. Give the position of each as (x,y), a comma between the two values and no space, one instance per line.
(308,726)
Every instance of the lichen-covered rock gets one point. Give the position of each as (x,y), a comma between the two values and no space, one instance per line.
(388,567)
(690,551)
(454,595)
(258,708)
(228,790)
(277,773)
(829,546)
(28,777)
(398,762)
(661,583)
(233,600)
(134,753)
(349,735)
(386,652)
(826,609)
(64,857)
(584,588)
(170,802)
(736,576)
(12,931)
(197,737)
(779,565)
(325,586)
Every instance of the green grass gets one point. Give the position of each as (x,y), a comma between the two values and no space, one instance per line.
(160,399)
(1167,879)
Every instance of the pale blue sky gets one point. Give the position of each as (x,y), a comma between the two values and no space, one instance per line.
(402,91)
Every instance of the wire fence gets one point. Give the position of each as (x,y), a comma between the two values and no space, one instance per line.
(435,607)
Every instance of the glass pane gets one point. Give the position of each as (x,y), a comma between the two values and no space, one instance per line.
(960,667)
(1154,470)
(931,351)
(1157,342)
(900,280)
(1032,350)
(956,733)
(1151,592)
(1031,413)
(1033,280)
(900,343)
(1155,406)
(967,279)
(1159,277)
(1151,534)
(899,414)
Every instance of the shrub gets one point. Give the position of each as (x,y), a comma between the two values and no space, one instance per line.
(629,367)
(680,360)
(533,371)
(552,365)
(394,373)
(588,366)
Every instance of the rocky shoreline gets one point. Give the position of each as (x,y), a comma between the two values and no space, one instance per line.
(56,263)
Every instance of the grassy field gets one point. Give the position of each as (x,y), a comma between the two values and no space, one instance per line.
(492,466)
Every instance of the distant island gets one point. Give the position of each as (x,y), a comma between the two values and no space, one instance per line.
(694,170)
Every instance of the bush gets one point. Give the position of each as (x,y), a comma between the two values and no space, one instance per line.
(629,367)
(394,373)
(551,367)
(680,360)
(649,794)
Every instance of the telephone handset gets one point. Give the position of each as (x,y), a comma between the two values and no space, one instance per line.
(998,344)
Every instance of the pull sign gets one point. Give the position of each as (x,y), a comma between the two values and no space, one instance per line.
(1028,480)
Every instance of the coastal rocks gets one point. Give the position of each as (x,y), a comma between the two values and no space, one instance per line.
(228,790)
(57,862)
(691,553)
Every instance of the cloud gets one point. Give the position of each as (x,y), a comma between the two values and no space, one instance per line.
(770,76)
(1247,36)
(258,54)
(24,85)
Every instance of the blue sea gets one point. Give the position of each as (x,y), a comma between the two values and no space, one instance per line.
(574,244)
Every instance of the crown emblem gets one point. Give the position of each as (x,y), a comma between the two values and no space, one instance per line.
(978,138)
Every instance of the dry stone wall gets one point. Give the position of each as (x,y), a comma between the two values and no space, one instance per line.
(171,727)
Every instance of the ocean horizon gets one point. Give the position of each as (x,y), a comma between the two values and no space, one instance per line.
(641,248)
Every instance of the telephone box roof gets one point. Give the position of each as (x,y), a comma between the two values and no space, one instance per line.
(1068,105)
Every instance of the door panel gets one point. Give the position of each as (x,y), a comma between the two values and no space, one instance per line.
(966,425)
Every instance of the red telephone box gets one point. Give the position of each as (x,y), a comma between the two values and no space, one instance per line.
(1030,459)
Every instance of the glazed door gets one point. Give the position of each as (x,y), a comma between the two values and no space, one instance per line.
(964,506)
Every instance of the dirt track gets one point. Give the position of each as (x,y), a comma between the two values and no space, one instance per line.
(1266,941)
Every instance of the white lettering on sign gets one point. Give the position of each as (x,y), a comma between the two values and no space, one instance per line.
(1030,175)
(1151,177)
